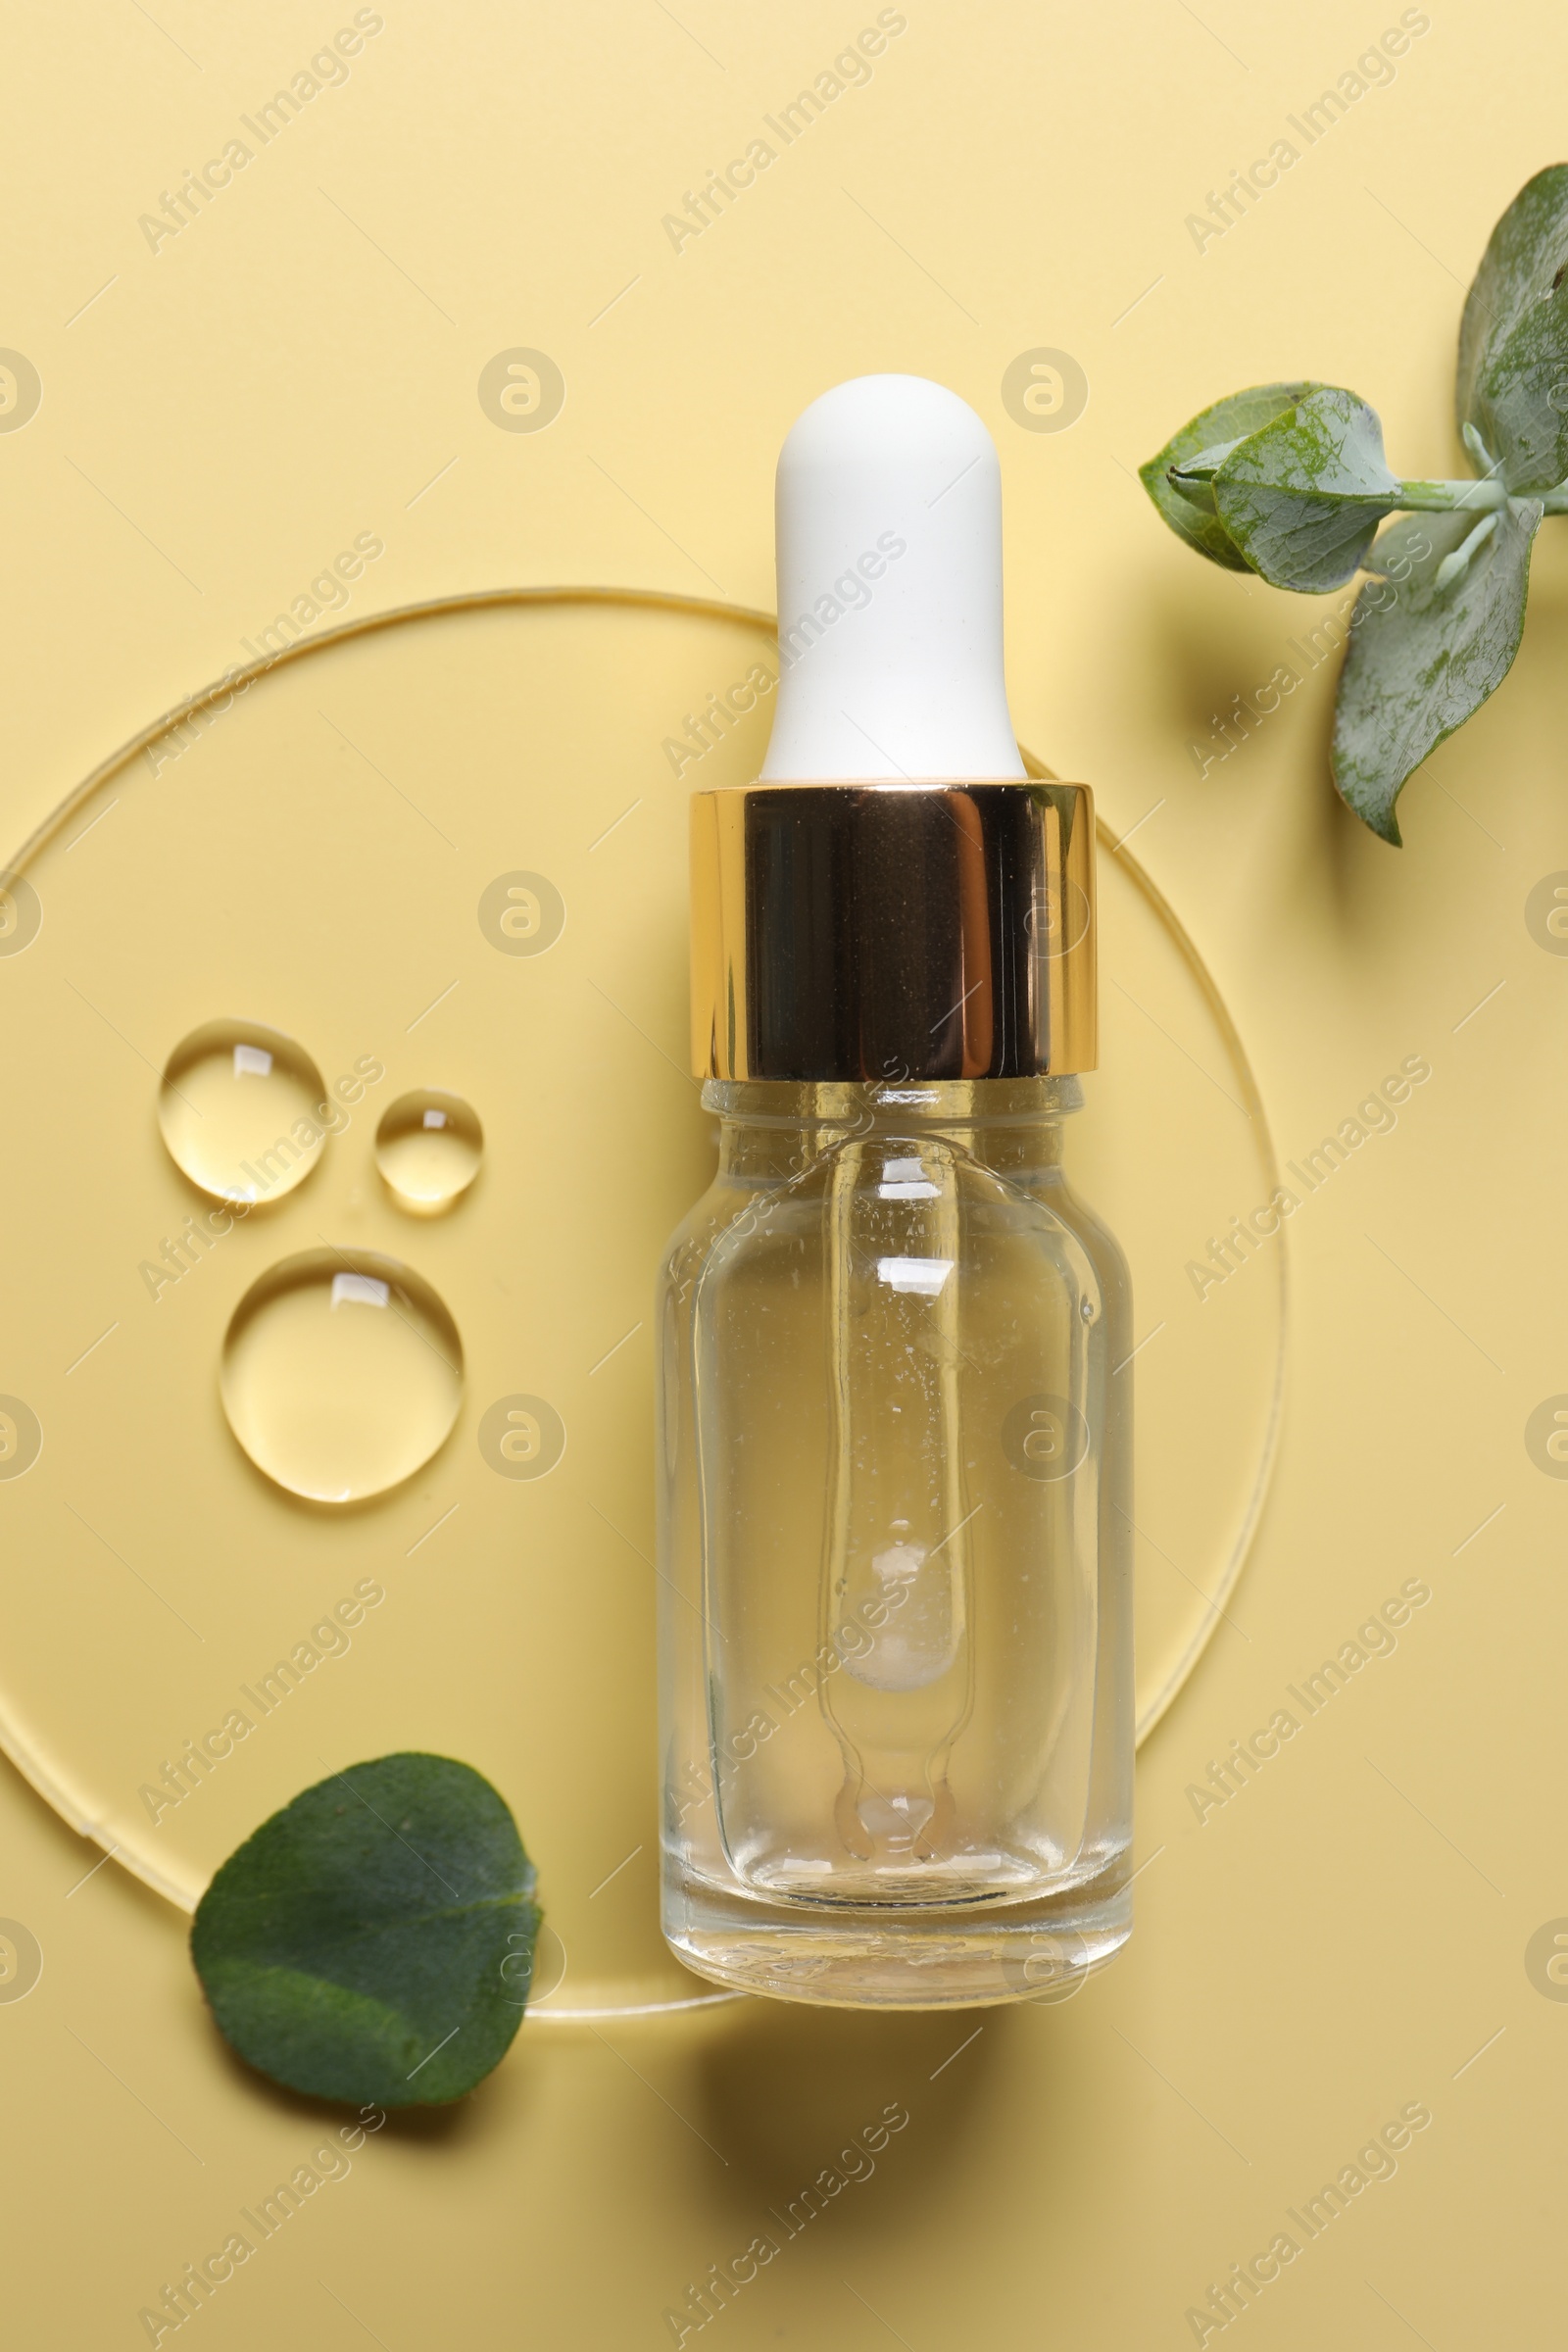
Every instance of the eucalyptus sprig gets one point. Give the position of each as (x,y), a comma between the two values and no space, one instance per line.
(1290,481)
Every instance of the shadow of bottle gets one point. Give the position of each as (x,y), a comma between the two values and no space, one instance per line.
(809,2106)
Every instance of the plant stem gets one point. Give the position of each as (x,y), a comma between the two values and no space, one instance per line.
(1483,497)
(1452,566)
(1437,498)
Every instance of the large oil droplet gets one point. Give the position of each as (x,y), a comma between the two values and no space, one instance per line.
(238,1106)
(342,1373)
(428,1148)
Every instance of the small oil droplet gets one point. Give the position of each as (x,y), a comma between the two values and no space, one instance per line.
(240,1108)
(428,1148)
(342,1373)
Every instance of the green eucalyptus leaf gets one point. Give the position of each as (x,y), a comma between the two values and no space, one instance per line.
(373,1942)
(1423,658)
(1190,510)
(1512,382)
(1194,479)
(1303,497)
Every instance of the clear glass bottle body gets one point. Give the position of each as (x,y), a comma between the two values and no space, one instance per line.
(895,1632)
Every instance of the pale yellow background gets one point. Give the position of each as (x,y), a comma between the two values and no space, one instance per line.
(296,367)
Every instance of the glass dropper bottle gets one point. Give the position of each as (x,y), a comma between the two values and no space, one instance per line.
(895,1641)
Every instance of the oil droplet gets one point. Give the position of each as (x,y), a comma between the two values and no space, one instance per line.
(240,1108)
(428,1148)
(342,1373)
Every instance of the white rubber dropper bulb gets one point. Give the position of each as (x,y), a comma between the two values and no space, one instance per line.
(889,531)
